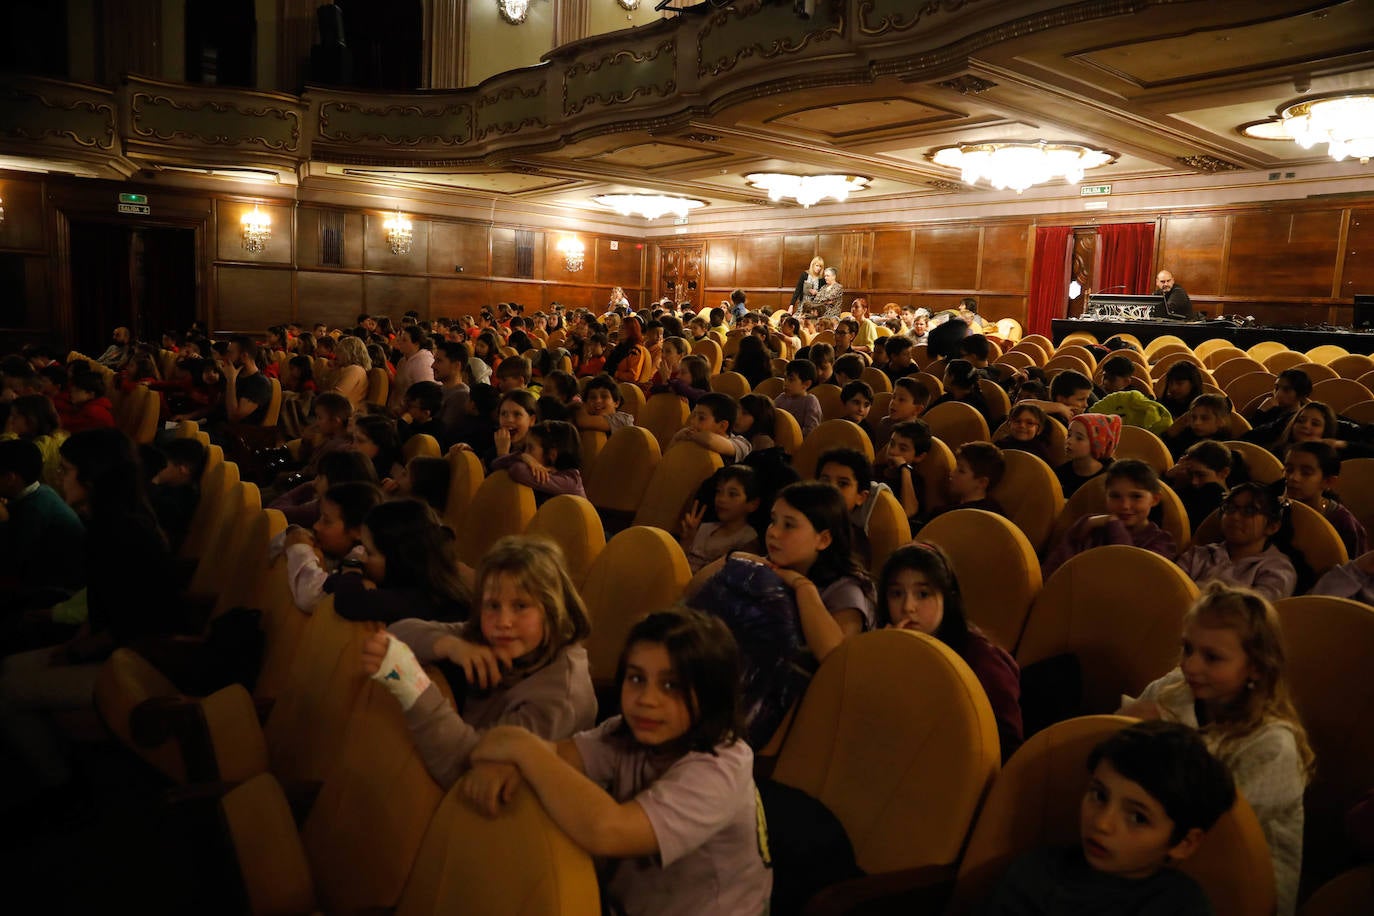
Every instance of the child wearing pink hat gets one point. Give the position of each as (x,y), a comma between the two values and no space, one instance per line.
(1089,447)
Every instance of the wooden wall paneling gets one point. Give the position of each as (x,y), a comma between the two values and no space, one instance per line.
(453,245)
(891,261)
(1192,249)
(621,266)
(252,298)
(308,237)
(721,257)
(23,226)
(387,294)
(229,231)
(512,291)
(37,293)
(1282,253)
(1357,258)
(1002,260)
(502,251)
(946,258)
(797,252)
(377,251)
(758,262)
(451,298)
(830,245)
(334,297)
(576,297)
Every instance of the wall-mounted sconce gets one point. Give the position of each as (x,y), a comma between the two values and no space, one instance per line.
(513,11)
(257,230)
(574,253)
(398,233)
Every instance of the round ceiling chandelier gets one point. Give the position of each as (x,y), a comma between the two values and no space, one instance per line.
(649,206)
(1344,122)
(1019,165)
(806,189)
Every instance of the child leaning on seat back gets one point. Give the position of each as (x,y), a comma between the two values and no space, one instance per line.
(665,790)
(1230,686)
(550,462)
(1133,491)
(712,426)
(313,554)
(520,656)
(1255,530)
(736,499)
(1154,792)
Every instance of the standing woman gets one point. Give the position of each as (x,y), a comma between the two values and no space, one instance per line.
(807,284)
(828,298)
(128,595)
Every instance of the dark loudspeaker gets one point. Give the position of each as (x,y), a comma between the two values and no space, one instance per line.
(1364,313)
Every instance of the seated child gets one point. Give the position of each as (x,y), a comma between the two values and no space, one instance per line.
(1254,521)
(851,473)
(513,374)
(978,468)
(34,419)
(1230,686)
(521,656)
(909,401)
(756,422)
(1155,791)
(42,541)
(849,368)
(681,801)
(1089,447)
(328,433)
(422,405)
(1200,479)
(1028,430)
(906,448)
(736,499)
(301,505)
(796,397)
(1182,385)
(600,411)
(1070,393)
(690,380)
(858,400)
(314,554)
(1117,372)
(550,463)
(823,358)
(1209,417)
(593,361)
(899,361)
(1349,580)
(1310,472)
(961,384)
(712,424)
(562,387)
(90,408)
(1133,491)
(919,591)
(175,489)
(412,564)
(424,478)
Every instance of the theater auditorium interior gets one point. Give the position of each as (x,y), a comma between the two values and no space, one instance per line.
(645,456)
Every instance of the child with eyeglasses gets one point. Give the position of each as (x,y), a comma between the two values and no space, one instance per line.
(1254,530)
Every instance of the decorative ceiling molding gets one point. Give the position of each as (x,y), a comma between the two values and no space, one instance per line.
(1204,163)
(968,84)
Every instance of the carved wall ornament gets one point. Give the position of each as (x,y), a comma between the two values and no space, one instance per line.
(968,84)
(939,184)
(1204,163)
(400,125)
(731,36)
(702,138)
(878,17)
(217,123)
(31,115)
(620,76)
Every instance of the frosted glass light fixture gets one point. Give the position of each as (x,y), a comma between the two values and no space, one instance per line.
(513,11)
(1345,123)
(806,189)
(649,206)
(1019,165)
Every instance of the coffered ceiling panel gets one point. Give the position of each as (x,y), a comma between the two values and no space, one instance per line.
(493,182)
(657,155)
(864,116)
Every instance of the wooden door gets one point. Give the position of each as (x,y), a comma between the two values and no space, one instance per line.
(680,273)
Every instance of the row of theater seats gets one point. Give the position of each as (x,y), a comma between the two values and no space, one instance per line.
(327,726)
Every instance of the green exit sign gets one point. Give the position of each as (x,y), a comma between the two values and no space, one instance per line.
(1094,190)
(133,198)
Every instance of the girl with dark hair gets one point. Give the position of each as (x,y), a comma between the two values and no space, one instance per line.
(752,360)
(681,802)
(1182,383)
(487,348)
(375,437)
(918,590)
(301,504)
(411,559)
(128,596)
(961,384)
(520,657)
(757,421)
(1310,472)
(313,554)
(1255,550)
(550,462)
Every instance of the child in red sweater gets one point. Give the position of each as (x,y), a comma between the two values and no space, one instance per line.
(90,409)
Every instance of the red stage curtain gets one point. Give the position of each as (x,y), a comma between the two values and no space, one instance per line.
(1049,296)
(1127,251)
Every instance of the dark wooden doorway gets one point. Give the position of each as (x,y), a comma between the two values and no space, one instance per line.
(679,274)
(143,278)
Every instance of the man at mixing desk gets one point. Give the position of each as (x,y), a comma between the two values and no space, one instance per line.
(1174,302)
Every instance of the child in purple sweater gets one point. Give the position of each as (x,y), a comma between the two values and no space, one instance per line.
(796,397)
(551,462)
(1133,491)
